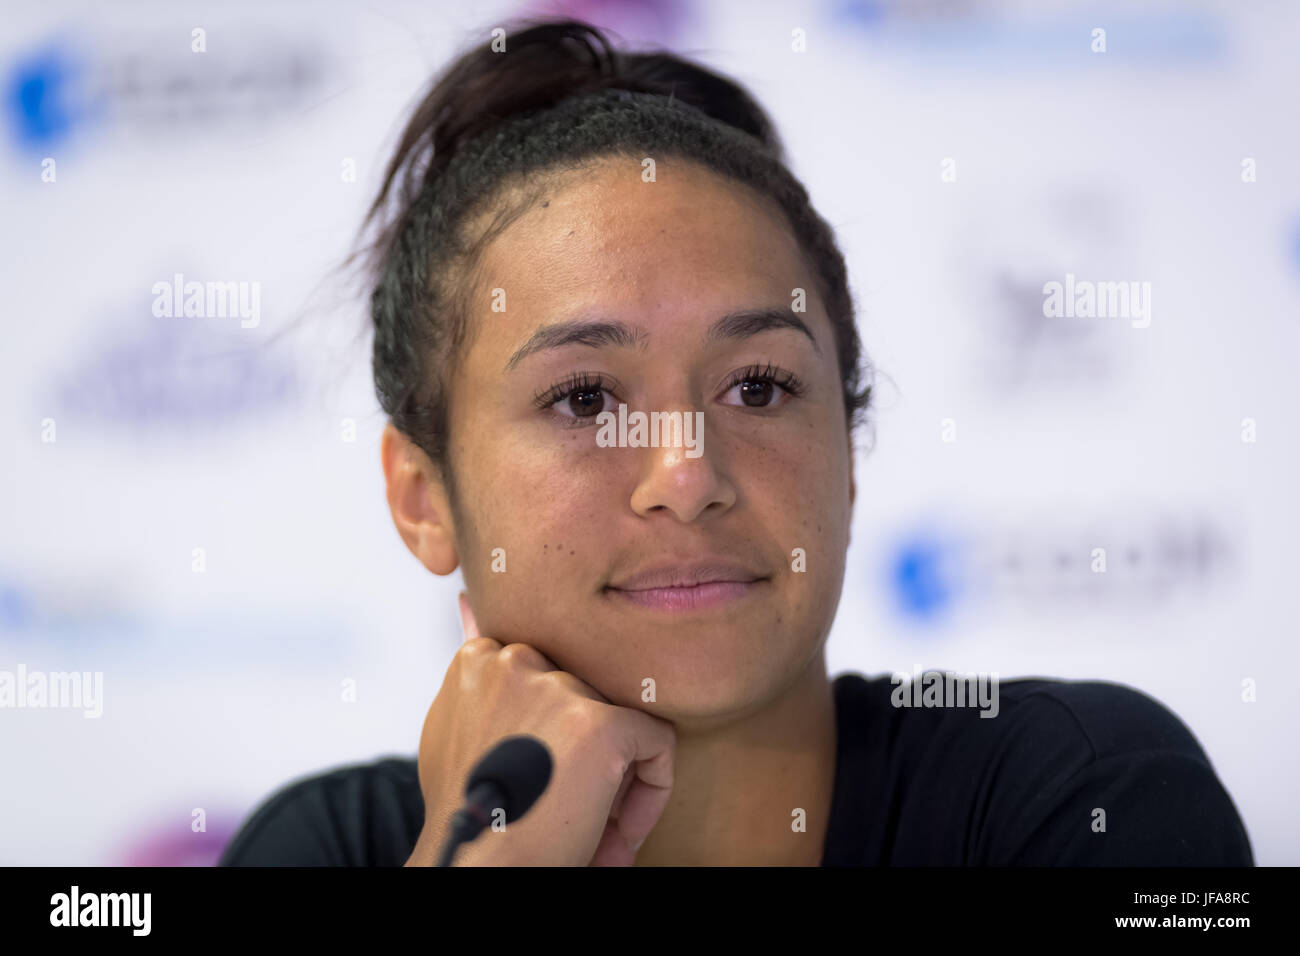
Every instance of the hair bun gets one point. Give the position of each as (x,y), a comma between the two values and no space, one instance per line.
(541,66)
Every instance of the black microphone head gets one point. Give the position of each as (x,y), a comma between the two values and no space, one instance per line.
(520,767)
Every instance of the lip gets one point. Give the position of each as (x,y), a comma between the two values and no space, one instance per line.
(698,598)
(688,587)
(687,575)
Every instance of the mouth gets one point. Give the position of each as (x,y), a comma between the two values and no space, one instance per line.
(691,587)
(696,598)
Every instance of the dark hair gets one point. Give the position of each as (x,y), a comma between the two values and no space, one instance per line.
(559,97)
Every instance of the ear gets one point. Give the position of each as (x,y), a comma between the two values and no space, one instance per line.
(417,497)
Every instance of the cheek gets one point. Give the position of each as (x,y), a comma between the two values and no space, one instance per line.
(797,475)
(797,484)
(541,505)
(538,489)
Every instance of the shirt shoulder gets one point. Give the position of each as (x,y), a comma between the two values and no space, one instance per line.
(1058,772)
(1128,784)
(362,814)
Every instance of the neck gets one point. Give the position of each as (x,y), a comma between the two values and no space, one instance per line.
(736,788)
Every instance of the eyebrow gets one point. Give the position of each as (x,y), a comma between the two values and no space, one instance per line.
(747,322)
(595,334)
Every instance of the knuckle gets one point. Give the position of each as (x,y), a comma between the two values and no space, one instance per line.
(520,655)
(476,648)
(581,717)
(562,681)
(570,685)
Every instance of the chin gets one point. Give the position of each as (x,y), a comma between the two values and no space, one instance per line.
(696,678)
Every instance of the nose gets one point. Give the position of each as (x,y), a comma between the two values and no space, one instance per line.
(683,482)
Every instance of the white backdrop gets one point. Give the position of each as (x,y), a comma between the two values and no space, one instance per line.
(965,153)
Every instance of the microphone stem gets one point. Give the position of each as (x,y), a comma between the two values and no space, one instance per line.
(465,826)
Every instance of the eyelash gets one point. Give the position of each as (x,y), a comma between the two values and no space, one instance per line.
(768,373)
(584,382)
(578,382)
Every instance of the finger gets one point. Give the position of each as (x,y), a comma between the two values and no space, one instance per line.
(531,656)
(642,807)
(612,850)
(617,806)
(649,742)
(652,744)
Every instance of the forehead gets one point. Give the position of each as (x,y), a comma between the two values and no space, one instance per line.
(602,236)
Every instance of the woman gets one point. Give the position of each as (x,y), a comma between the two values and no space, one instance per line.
(571,237)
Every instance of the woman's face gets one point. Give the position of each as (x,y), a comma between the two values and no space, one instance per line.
(591,537)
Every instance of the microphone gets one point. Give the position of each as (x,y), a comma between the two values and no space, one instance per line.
(510,776)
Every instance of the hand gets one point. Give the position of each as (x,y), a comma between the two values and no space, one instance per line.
(612,767)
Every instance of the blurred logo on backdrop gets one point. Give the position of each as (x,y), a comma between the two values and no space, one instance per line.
(158,372)
(925,573)
(1054,565)
(101,618)
(1072,229)
(41,97)
(998,35)
(136,83)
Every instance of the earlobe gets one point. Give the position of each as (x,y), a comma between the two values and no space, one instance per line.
(418,502)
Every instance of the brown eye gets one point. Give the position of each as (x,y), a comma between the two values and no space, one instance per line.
(587,402)
(579,399)
(756,394)
(762,387)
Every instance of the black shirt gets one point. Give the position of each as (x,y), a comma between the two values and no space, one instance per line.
(914,786)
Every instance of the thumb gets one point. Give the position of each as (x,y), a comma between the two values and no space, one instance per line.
(468,626)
